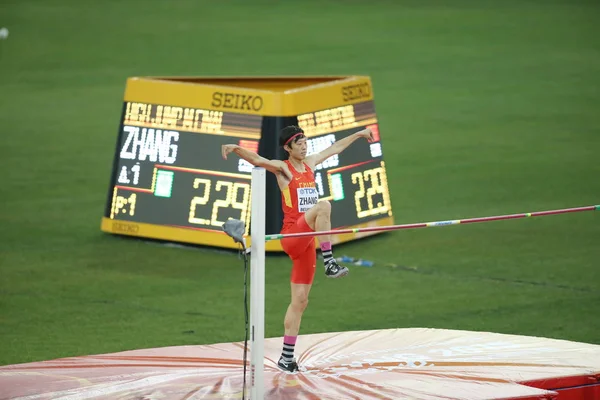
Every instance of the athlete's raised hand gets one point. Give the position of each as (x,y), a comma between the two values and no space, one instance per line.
(226,149)
(366,133)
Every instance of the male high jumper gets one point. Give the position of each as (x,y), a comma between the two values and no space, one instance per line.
(303,212)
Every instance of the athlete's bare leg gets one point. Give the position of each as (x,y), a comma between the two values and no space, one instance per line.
(319,219)
(298,304)
(291,323)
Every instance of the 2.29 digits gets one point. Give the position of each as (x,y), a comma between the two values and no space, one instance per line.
(372,182)
(231,200)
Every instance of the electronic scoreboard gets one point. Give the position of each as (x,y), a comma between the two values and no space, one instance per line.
(169,181)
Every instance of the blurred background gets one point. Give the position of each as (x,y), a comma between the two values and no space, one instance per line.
(485,107)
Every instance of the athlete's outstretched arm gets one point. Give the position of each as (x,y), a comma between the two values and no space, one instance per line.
(274,166)
(338,147)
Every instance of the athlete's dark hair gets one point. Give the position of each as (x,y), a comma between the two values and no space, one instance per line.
(288,132)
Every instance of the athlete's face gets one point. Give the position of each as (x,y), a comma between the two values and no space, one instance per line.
(297,149)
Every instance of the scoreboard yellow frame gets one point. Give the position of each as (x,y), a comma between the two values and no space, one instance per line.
(284,96)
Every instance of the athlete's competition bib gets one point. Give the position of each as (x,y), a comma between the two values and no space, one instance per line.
(307,197)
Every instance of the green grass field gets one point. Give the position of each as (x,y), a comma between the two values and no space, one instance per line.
(486,107)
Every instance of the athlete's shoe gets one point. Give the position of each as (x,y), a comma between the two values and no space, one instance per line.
(333,270)
(286,366)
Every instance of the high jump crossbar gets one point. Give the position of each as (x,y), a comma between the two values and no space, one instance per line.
(257,260)
(434,224)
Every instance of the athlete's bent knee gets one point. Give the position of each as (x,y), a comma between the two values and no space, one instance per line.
(324,206)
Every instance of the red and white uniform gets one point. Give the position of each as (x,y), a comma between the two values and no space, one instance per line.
(299,197)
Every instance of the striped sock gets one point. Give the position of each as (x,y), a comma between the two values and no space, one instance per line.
(327,252)
(289,342)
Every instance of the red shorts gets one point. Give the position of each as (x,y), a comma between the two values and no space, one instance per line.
(302,251)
